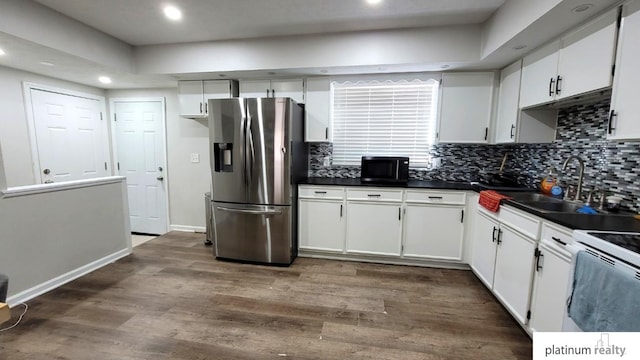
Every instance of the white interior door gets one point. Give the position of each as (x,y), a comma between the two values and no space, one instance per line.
(139,137)
(70,136)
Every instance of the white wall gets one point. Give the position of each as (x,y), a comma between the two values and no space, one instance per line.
(52,237)
(14,133)
(33,22)
(187,181)
(410,46)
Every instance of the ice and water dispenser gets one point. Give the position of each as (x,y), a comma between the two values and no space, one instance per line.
(223,157)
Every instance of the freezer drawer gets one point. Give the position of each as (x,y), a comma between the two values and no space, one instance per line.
(255,233)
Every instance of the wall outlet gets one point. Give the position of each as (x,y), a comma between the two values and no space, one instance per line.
(195,158)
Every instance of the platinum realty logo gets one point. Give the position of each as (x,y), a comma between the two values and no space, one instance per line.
(584,346)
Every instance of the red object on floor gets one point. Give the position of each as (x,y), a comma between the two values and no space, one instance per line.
(490,199)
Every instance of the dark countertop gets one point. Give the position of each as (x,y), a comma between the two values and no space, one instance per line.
(575,221)
(569,220)
(417,184)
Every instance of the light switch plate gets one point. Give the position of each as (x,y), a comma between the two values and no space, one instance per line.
(195,157)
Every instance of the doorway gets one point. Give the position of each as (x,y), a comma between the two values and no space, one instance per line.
(68,135)
(139,147)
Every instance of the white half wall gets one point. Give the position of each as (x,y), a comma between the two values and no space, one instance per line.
(54,233)
(186,181)
(407,46)
(14,133)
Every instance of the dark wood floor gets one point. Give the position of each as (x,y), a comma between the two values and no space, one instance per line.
(172,300)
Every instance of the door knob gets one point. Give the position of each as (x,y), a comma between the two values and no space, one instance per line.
(46,171)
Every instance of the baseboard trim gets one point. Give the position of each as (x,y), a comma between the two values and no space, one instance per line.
(384,260)
(188,228)
(49,285)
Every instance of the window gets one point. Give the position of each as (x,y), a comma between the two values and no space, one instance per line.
(384,118)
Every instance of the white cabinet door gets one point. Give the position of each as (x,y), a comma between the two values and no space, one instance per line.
(216,89)
(321,225)
(373,228)
(483,258)
(433,232)
(580,68)
(513,272)
(508,99)
(289,88)
(625,124)
(273,88)
(550,289)
(255,88)
(190,98)
(465,107)
(539,71)
(317,110)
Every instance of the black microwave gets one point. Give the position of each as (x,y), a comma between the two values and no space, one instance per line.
(384,169)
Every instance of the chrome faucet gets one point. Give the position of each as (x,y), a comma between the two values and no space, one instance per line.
(580,174)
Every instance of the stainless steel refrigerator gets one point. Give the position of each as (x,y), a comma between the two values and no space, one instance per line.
(258,155)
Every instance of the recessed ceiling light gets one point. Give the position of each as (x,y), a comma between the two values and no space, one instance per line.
(519,47)
(2,52)
(581,8)
(104,79)
(172,13)
(46,63)
(374,2)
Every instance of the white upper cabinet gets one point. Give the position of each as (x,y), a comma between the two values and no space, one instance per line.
(580,62)
(465,107)
(508,109)
(318,110)
(539,71)
(194,94)
(624,119)
(273,88)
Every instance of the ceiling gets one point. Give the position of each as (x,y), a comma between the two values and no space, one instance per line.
(141,22)
(136,24)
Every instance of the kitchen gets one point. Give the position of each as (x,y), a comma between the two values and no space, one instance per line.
(191,136)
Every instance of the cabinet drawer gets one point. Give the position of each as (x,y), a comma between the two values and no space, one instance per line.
(318,192)
(557,235)
(435,197)
(520,221)
(375,194)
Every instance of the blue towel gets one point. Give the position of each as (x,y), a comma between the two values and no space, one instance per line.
(603,298)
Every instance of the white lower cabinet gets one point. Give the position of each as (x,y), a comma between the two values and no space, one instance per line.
(503,257)
(551,279)
(514,265)
(483,260)
(374,228)
(321,225)
(433,232)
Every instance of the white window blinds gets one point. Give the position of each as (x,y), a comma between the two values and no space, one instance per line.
(389,118)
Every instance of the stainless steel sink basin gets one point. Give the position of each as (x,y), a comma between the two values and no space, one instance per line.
(552,206)
(543,203)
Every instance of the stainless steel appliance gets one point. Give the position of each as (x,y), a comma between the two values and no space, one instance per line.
(620,250)
(258,155)
(384,169)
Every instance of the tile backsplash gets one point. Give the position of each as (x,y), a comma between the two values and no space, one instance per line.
(613,166)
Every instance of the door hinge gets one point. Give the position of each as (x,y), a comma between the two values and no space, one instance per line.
(118,165)
(462,216)
(105,165)
(101,116)
(529,315)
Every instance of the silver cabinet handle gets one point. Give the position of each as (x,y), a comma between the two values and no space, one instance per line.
(435,197)
(373,195)
(252,212)
(160,178)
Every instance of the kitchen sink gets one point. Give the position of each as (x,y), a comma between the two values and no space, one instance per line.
(543,203)
(555,205)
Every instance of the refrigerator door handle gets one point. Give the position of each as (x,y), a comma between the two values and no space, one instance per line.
(250,150)
(252,212)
